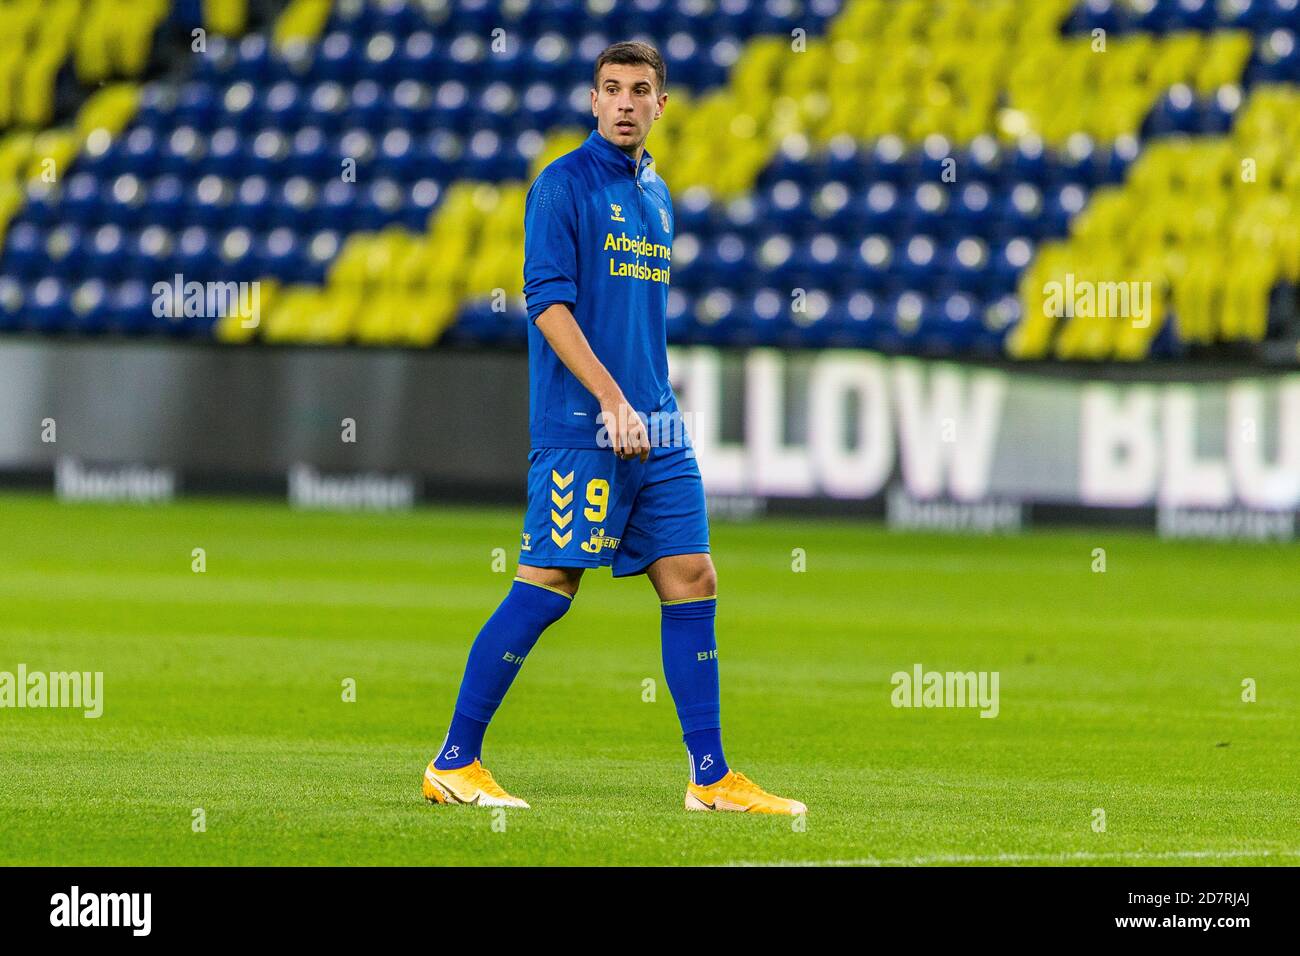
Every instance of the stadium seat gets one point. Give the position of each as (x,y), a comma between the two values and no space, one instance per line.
(379,153)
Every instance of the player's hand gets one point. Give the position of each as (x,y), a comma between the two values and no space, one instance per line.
(627,433)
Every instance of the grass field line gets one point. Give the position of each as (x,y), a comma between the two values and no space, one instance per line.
(1064,858)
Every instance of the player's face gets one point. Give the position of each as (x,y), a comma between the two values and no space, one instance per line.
(626,104)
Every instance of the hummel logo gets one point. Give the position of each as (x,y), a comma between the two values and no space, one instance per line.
(453,753)
(707,762)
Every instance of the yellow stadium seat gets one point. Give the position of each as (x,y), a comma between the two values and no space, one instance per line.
(915,69)
(225,17)
(302,21)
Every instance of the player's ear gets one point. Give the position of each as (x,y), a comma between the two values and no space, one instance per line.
(663,101)
(593,102)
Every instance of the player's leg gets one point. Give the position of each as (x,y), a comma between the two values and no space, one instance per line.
(538,598)
(542,592)
(687,587)
(667,538)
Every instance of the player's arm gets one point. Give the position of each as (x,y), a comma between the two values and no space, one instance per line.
(626,431)
(551,288)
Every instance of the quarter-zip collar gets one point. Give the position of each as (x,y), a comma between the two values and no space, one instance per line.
(611,155)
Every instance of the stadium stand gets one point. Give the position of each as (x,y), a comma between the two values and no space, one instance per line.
(904,175)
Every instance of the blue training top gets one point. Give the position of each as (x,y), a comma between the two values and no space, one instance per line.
(598,235)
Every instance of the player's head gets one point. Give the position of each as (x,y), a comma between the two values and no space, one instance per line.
(628,93)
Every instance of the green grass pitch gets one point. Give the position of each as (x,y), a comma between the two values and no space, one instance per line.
(223,691)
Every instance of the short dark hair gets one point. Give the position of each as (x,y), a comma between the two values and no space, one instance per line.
(631,53)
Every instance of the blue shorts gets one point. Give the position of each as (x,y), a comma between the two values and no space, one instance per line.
(589,509)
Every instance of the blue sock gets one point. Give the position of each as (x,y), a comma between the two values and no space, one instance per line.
(464,743)
(704,750)
(494,660)
(690,654)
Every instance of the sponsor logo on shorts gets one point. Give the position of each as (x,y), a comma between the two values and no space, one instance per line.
(599,541)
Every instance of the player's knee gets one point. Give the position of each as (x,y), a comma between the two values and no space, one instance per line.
(703,578)
(539,598)
(709,581)
(570,580)
(559,579)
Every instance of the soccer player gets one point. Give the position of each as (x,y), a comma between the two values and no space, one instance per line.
(598,227)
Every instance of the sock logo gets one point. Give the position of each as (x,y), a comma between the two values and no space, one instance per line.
(453,753)
(515,659)
(707,655)
(707,762)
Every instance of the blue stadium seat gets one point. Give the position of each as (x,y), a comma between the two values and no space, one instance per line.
(235,170)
